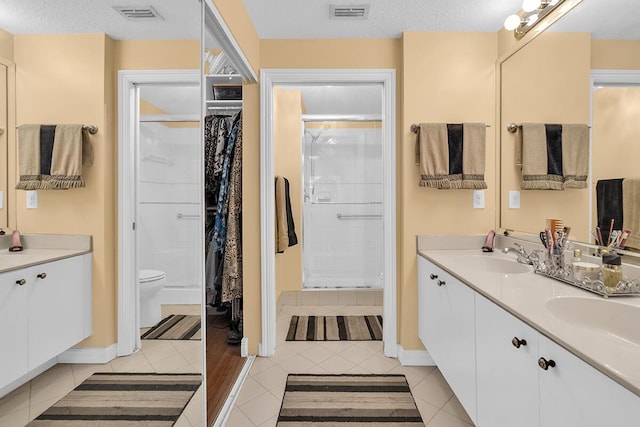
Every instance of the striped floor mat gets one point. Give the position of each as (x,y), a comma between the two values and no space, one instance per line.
(335,328)
(175,327)
(123,399)
(349,400)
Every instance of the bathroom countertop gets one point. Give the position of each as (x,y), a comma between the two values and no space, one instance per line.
(525,296)
(41,248)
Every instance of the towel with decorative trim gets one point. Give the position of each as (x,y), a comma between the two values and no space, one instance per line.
(451,156)
(630,211)
(541,156)
(432,154)
(28,157)
(609,205)
(51,156)
(473,155)
(575,155)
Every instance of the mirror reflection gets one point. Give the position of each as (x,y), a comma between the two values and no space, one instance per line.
(549,81)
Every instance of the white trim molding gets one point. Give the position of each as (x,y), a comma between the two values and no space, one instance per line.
(128,117)
(268,79)
(415,357)
(94,355)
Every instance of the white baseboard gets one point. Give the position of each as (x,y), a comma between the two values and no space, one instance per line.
(414,357)
(93,355)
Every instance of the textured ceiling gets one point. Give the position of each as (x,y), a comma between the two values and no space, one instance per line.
(181,18)
(307,18)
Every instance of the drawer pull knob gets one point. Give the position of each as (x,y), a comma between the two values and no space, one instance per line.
(546,364)
(441,282)
(21,282)
(518,342)
(42,276)
(433,276)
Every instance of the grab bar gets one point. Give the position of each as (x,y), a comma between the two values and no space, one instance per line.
(184,216)
(362,216)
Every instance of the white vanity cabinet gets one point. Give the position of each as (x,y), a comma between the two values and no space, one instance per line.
(574,394)
(447,329)
(44,310)
(494,362)
(507,374)
(13,326)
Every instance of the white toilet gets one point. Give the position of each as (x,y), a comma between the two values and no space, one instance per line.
(150,282)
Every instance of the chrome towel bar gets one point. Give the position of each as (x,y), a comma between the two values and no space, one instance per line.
(363,216)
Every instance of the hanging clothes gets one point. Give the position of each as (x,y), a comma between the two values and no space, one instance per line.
(232,268)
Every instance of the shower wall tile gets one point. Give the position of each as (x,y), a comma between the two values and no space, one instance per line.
(328,298)
(347,297)
(366,297)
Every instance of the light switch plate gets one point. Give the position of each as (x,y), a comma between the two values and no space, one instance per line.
(32,199)
(514,200)
(1,199)
(478,199)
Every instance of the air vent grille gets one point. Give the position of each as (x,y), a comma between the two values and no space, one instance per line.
(360,11)
(143,13)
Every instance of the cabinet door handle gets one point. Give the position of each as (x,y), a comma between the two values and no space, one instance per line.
(441,282)
(21,282)
(433,276)
(42,276)
(546,364)
(518,342)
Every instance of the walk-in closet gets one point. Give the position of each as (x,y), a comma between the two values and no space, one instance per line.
(222,82)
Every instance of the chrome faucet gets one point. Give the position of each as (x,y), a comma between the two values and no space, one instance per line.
(523,256)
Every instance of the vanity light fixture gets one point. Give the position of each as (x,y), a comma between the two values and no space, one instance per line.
(532,12)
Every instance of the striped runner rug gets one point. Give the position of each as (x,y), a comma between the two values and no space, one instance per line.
(335,328)
(123,400)
(175,327)
(349,400)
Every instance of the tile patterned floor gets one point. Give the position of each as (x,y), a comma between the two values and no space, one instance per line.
(259,400)
(24,404)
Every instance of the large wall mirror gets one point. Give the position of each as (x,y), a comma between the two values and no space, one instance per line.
(550,81)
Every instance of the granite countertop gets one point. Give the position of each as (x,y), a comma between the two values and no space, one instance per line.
(526,296)
(41,248)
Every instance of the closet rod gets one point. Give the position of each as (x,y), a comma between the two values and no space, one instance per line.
(92,129)
(415,127)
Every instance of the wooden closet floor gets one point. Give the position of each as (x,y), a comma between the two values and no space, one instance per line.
(224,364)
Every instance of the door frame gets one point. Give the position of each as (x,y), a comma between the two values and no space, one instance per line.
(268,79)
(128,116)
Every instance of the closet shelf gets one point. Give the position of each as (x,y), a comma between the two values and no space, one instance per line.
(224,78)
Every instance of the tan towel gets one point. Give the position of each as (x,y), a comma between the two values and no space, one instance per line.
(29,157)
(432,154)
(533,144)
(575,155)
(66,161)
(473,155)
(631,210)
(282,233)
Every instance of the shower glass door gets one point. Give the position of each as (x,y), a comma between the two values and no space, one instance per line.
(342,204)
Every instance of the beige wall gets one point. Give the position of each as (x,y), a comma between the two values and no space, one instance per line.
(157,54)
(548,81)
(73,88)
(615,130)
(448,77)
(615,54)
(287,153)
(6,45)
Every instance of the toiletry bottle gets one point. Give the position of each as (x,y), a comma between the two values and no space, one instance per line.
(611,270)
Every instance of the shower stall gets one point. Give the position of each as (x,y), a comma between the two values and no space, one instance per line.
(342,210)
(169,201)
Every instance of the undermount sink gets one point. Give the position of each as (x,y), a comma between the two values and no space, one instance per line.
(492,264)
(601,315)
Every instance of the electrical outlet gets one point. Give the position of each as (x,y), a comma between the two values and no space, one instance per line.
(32,199)
(478,199)
(1,199)
(514,199)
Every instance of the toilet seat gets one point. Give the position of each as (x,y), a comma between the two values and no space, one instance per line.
(147,276)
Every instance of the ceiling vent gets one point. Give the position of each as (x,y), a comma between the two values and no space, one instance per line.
(359,11)
(143,13)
